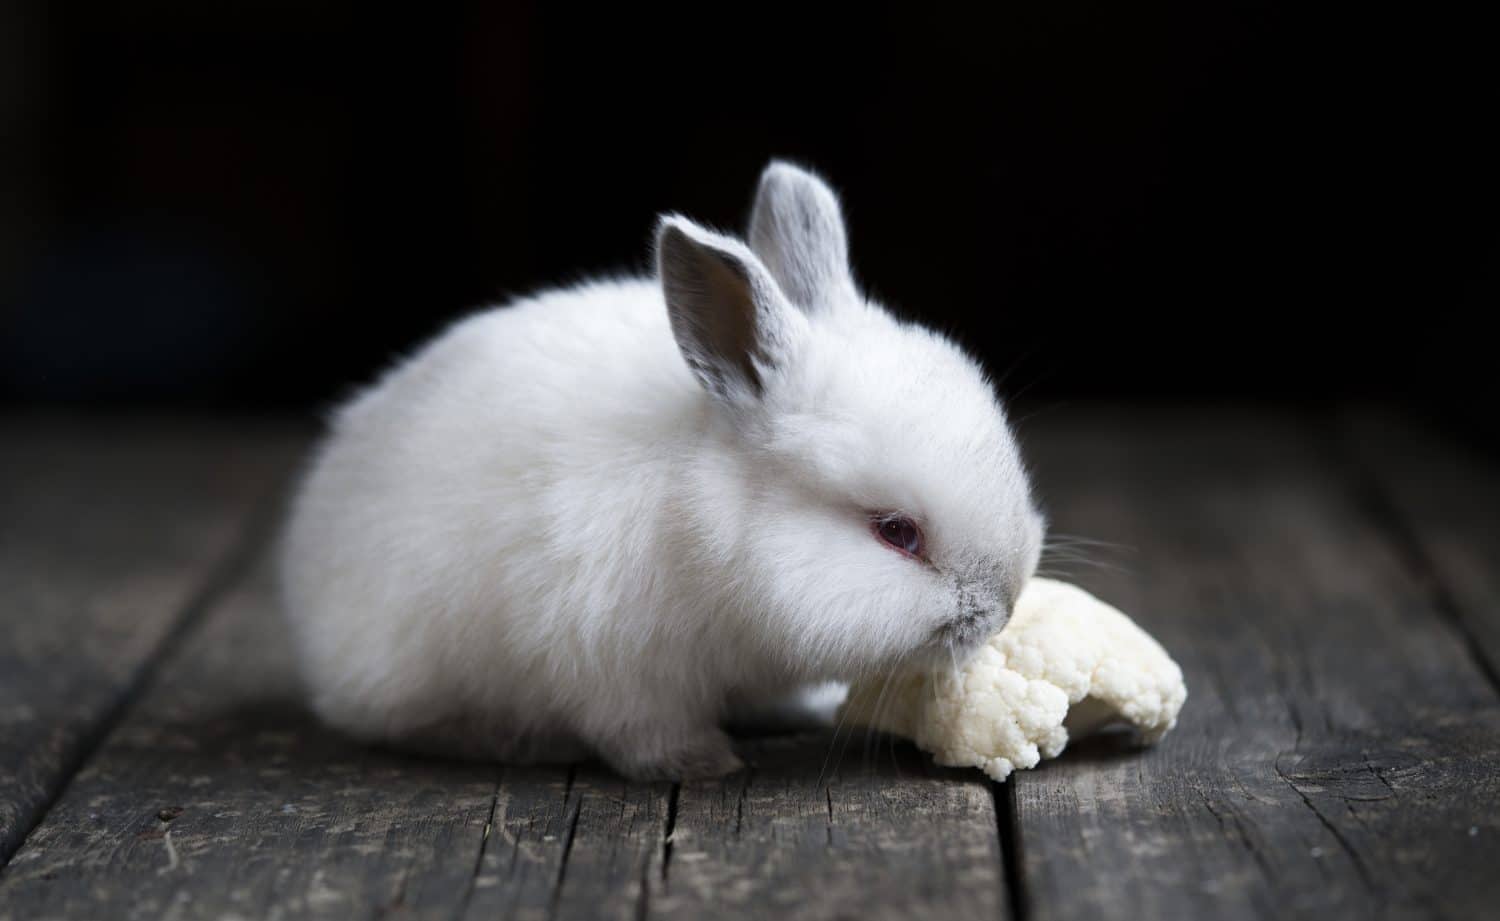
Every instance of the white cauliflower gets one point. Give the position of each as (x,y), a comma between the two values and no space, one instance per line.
(1008,706)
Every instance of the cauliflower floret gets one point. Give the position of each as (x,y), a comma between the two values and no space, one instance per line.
(1008,707)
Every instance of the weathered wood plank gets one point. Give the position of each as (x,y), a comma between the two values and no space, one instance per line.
(520,867)
(885,835)
(218,796)
(571,843)
(1339,755)
(111,531)
(1443,496)
(617,846)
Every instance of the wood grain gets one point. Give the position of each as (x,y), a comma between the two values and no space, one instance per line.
(112,533)
(1338,754)
(218,796)
(1441,497)
(884,834)
(1327,592)
(572,843)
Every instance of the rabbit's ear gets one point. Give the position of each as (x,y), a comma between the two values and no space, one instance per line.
(797,229)
(730,319)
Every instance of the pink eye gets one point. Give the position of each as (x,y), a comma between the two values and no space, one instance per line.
(899,533)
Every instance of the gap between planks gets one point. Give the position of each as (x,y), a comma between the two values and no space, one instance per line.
(1107,817)
(1375,498)
(257,533)
(1008,827)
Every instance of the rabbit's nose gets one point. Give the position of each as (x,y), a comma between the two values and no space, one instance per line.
(984,599)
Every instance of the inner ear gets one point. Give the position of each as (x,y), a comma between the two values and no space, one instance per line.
(716,312)
(729,318)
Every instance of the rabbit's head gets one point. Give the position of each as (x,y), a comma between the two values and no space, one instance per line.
(873,505)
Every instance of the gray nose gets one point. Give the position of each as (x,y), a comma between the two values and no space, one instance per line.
(982,610)
(985,599)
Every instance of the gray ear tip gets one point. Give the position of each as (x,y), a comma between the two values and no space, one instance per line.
(784,184)
(682,246)
(782,172)
(676,234)
(672,241)
(677,231)
(781,168)
(671,225)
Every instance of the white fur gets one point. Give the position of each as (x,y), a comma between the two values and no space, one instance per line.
(545,530)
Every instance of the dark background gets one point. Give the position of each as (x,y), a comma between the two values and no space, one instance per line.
(253,206)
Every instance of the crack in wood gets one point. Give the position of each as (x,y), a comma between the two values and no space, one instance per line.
(1241,833)
(1344,843)
(569,802)
(671,826)
(1378,774)
(739,806)
(484,842)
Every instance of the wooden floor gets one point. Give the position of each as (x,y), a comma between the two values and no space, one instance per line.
(1328,582)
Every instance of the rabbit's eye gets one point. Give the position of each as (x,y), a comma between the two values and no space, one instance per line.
(900,533)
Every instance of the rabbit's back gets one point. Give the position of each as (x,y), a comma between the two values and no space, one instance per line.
(472,496)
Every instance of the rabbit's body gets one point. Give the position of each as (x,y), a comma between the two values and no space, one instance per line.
(547,533)
(517,480)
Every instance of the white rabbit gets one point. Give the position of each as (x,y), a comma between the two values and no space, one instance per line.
(598,519)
